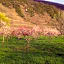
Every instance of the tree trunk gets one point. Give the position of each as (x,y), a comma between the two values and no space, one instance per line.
(27,46)
(3,40)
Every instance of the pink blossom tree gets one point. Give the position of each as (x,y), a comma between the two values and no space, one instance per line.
(28,32)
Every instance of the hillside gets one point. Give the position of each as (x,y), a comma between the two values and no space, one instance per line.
(31,33)
(31,13)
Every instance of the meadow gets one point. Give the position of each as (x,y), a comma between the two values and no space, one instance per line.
(43,50)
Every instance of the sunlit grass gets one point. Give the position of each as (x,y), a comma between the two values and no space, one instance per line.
(44,50)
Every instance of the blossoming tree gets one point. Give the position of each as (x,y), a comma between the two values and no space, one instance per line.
(4,22)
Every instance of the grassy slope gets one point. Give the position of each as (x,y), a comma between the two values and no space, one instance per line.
(44,50)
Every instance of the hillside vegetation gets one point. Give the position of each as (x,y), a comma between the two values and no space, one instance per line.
(32,7)
(30,10)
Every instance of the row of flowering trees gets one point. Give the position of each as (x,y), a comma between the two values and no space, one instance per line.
(35,31)
(27,31)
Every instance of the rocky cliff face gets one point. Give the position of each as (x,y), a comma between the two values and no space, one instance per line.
(48,19)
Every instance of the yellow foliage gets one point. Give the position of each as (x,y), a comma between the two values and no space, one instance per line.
(5,19)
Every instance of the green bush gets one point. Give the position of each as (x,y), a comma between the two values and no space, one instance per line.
(18,10)
(31,11)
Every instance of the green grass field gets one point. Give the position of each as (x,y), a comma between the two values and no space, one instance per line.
(44,50)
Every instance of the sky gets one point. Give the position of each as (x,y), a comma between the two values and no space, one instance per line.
(57,1)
